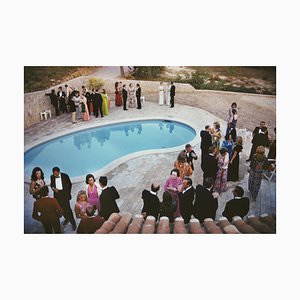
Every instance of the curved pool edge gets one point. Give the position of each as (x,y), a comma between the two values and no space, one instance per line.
(117,162)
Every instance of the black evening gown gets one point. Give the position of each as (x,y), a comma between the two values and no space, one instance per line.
(233,169)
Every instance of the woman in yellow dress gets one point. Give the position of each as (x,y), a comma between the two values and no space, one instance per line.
(105,103)
(216,136)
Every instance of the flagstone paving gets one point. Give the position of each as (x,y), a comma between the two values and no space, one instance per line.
(134,175)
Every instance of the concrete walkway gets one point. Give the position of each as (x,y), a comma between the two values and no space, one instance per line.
(109,72)
(134,175)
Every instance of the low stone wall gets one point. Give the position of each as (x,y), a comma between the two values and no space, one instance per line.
(36,102)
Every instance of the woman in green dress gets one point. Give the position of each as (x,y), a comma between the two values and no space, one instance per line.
(105,103)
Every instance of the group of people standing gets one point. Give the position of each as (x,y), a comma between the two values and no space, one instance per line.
(221,161)
(81,104)
(181,199)
(93,206)
(132,95)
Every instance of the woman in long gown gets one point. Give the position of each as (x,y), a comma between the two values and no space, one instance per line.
(234,164)
(131,96)
(173,186)
(161,94)
(258,164)
(84,108)
(105,102)
(220,184)
(168,97)
(216,136)
(118,97)
(228,144)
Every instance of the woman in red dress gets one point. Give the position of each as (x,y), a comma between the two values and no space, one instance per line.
(118,99)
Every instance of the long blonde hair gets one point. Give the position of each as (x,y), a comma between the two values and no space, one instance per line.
(260,153)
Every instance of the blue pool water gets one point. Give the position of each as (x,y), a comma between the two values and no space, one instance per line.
(89,150)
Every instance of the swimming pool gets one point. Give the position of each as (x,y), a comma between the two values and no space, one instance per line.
(89,150)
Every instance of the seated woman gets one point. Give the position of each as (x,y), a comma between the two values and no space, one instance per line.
(173,185)
(183,166)
(105,103)
(81,204)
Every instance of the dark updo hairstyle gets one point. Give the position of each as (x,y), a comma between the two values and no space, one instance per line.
(88,176)
(33,176)
(175,170)
(223,151)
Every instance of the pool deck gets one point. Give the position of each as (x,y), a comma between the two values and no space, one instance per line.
(135,173)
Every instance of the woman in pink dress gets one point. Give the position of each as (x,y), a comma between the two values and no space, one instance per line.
(93,191)
(84,108)
(173,185)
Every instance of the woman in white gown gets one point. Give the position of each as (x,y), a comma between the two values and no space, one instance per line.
(168,89)
(161,94)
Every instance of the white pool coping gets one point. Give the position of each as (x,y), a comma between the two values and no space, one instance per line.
(115,163)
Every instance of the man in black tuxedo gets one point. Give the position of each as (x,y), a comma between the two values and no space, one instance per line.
(98,101)
(206,142)
(190,155)
(210,164)
(186,199)
(151,205)
(61,185)
(260,138)
(107,199)
(124,96)
(238,206)
(138,96)
(61,95)
(54,101)
(206,202)
(172,94)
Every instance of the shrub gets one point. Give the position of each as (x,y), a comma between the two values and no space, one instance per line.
(142,72)
(95,83)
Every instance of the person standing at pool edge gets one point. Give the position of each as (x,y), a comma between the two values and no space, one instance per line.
(172,94)
(124,96)
(61,185)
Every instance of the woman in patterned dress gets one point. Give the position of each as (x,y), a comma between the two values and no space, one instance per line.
(220,184)
(131,96)
(183,166)
(118,95)
(258,164)
(216,136)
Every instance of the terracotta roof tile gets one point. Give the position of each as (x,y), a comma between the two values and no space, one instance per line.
(124,223)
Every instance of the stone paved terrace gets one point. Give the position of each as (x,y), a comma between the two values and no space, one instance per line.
(140,172)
